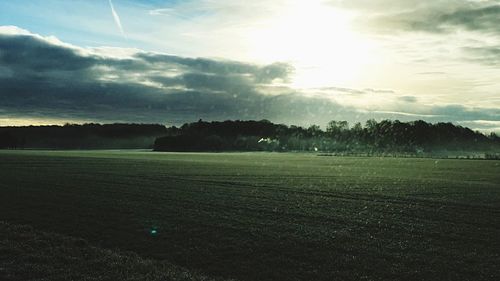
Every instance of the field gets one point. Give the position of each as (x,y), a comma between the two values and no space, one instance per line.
(248,216)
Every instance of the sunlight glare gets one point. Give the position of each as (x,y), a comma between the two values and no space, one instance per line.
(316,39)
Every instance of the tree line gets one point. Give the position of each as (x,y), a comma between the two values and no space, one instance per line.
(339,136)
(86,136)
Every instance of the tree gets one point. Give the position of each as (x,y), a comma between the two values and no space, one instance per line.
(337,127)
(314,131)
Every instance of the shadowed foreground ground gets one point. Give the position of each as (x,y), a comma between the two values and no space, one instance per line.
(260,216)
(27,254)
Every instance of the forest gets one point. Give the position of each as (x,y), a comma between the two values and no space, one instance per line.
(86,136)
(385,136)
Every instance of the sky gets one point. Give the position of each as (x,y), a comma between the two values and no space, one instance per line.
(296,61)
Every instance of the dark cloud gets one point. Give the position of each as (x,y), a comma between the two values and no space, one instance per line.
(489,55)
(486,19)
(41,78)
(409,99)
(46,78)
(343,90)
(440,17)
(262,74)
(434,18)
(458,112)
(25,52)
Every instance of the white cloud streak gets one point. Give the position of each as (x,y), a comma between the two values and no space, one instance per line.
(117,19)
(160,12)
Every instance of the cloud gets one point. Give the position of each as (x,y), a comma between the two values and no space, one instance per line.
(34,54)
(342,90)
(379,91)
(482,125)
(116,17)
(438,17)
(41,76)
(432,32)
(44,78)
(433,73)
(476,17)
(408,99)
(489,55)
(258,73)
(160,12)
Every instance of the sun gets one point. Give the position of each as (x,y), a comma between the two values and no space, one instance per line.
(316,38)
